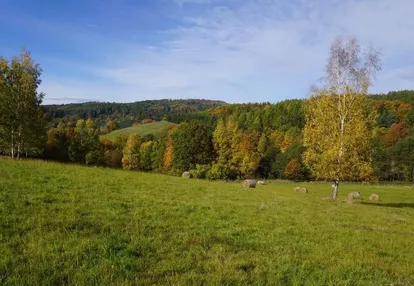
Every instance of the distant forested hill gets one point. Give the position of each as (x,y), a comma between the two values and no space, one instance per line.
(406,96)
(127,113)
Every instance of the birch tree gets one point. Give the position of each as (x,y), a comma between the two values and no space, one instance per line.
(21,119)
(337,132)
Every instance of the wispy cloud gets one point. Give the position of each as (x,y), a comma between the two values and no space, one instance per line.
(259,50)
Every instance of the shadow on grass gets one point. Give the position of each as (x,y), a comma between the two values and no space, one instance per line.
(391,205)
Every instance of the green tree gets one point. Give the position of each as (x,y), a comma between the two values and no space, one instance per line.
(409,120)
(404,155)
(268,154)
(157,155)
(336,132)
(145,155)
(21,117)
(192,145)
(85,140)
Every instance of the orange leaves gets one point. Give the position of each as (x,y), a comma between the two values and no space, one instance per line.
(168,155)
(147,120)
(51,133)
(293,169)
(395,133)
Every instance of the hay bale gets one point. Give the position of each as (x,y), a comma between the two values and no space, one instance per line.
(249,183)
(261,183)
(354,195)
(301,190)
(374,197)
(186,175)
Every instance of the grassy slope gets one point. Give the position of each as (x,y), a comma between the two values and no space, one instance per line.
(155,128)
(77,225)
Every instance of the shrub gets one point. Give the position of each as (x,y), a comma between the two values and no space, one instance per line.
(94,158)
(200,172)
(113,158)
(217,172)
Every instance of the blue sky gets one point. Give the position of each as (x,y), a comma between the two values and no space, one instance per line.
(232,50)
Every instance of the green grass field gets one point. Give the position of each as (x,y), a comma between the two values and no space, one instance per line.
(73,225)
(155,128)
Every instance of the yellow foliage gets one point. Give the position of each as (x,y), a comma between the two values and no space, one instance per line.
(336,148)
(168,155)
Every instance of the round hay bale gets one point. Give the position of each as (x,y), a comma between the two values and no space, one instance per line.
(249,183)
(186,175)
(301,190)
(261,183)
(354,195)
(374,197)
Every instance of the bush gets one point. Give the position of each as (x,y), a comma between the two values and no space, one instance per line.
(94,158)
(175,171)
(200,172)
(113,158)
(217,172)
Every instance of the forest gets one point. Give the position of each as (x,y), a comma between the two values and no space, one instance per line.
(213,140)
(125,114)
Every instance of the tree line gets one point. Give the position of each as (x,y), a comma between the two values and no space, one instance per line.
(125,114)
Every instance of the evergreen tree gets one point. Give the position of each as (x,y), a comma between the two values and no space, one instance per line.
(192,145)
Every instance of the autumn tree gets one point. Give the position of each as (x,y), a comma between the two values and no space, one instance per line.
(248,150)
(395,133)
(337,134)
(168,155)
(169,150)
(227,138)
(131,158)
(110,126)
(293,169)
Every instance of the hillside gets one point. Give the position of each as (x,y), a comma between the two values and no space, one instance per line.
(155,128)
(129,112)
(406,96)
(73,225)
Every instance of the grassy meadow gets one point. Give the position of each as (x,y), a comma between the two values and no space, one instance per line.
(154,128)
(73,225)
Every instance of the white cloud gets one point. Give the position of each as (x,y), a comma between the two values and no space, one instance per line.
(276,47)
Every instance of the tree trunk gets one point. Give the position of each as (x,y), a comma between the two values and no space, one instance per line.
(335,187)
(18,151)
(12,145)
(19,144)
